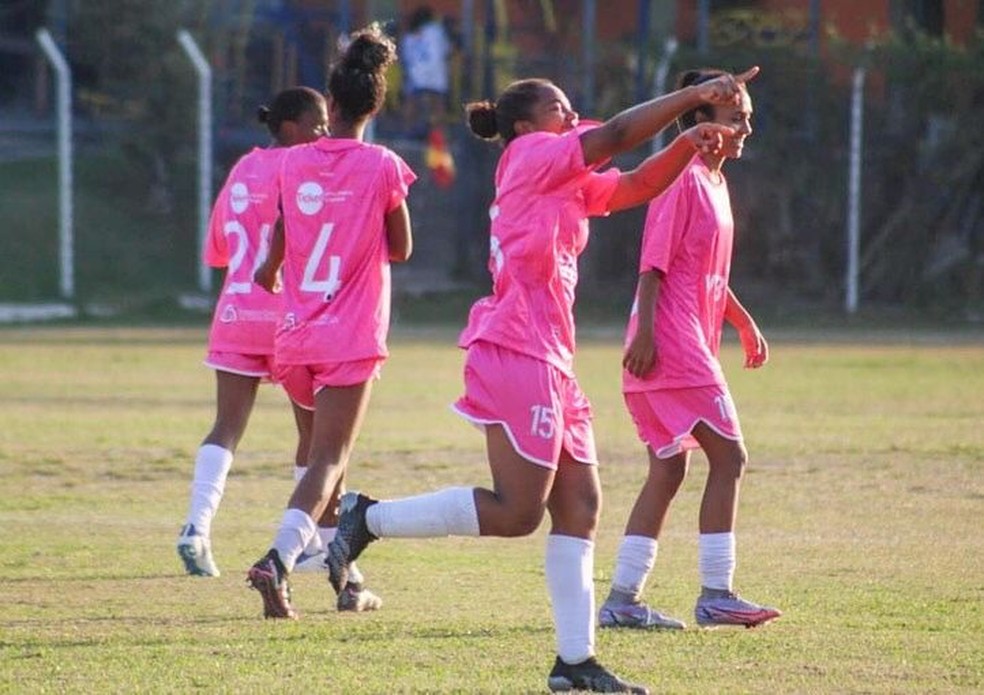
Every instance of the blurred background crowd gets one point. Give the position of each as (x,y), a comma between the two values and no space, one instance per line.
(921,214)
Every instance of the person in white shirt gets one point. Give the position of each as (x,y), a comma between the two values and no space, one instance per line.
(424,53)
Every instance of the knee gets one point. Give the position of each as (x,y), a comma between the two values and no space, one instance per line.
(670,474)
(729,464)
(590,507)
(525,520)
(577,516)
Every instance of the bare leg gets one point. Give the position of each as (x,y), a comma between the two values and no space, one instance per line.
(652,506)
(235,395)
(726,462)
(304,419)
(575,500)
(338,416)
(516,504)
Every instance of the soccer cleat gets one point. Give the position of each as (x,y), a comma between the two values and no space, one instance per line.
(356,599)
(351,538)
(716,608)
(311,562)
(195,551)
(588,676)
(636,615)
(269,577)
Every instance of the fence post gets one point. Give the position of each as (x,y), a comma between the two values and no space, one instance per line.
(659,81)
(66,234)
(854,192)
(588,20)
(204,71)
(703,26)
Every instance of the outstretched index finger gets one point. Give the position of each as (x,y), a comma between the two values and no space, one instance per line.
(748,75)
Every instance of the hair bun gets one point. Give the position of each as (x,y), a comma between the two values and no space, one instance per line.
(368,51)
(263,114)
(482,119)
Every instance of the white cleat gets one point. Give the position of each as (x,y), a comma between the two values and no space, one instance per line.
(195,551)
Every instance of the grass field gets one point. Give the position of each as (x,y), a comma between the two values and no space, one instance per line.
(861,517)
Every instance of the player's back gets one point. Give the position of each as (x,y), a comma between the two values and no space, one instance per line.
(240,229)
(335,195)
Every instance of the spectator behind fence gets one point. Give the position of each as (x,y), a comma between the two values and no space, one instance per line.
(425,50)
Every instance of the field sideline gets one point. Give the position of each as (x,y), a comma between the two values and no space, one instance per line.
(861,518)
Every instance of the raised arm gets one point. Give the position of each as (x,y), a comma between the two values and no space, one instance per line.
(635,125)
(659,170)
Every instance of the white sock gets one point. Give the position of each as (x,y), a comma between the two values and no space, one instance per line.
(354,575)
(315,545)
(447,512)
(570,581)
(636,557)
(716,560)
(295,532)
(212,464)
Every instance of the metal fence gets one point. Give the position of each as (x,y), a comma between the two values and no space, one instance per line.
(138,177)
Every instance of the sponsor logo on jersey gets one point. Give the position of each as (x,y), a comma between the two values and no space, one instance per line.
(310,198)
(239,197)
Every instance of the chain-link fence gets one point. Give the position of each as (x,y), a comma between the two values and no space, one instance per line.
(134,106)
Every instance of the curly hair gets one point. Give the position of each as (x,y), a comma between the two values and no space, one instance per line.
(357,81)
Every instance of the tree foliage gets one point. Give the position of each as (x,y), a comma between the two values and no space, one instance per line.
(134,75)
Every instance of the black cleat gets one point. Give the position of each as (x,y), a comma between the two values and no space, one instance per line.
(588,676)
(350,540)
(269,577)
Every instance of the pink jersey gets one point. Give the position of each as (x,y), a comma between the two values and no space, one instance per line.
(335,194)
(544,194)
(239,232)
(688,236)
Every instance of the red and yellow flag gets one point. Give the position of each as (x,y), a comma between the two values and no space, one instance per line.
(439,159)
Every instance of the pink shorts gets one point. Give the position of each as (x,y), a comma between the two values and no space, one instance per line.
(303,381)
(665,418)
(260,366)
(542,409)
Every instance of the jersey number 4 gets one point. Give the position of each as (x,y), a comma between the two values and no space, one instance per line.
(324,285)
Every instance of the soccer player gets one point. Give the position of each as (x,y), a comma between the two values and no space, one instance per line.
(673,384)
(240,343)
(345,220)
(520,385)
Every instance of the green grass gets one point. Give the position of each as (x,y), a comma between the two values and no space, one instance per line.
(860,517)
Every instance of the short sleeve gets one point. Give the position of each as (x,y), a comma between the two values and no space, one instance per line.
(400,177)
(216,251)
(598,190)
(549,161)
(666,221)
